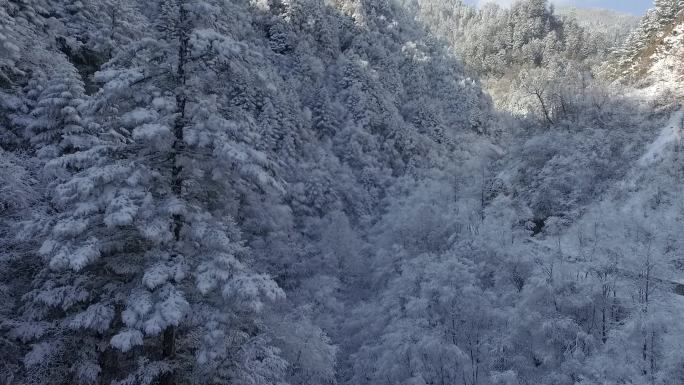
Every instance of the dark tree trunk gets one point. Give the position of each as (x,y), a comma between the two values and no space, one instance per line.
(169,336)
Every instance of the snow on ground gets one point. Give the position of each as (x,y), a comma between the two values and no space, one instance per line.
(666,74)
(671,133)
(667,65)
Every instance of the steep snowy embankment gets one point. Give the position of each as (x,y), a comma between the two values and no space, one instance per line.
(670,135)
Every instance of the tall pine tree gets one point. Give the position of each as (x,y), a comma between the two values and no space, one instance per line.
(145,272)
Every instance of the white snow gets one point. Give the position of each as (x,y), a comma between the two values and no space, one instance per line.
(156,276)
(151,132)
(97,317)
(671,133)
(138,117)
(127,339)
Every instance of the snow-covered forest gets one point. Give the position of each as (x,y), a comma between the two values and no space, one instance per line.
(340,192)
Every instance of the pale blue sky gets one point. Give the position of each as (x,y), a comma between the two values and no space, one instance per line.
(637,7)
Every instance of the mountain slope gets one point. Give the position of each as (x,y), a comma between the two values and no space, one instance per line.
(653,48)
(306,192)
(203,176)
(611,26)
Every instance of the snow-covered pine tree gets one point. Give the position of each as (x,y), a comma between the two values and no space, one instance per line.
(18,23)
(11,133)
(55,125)
(9,50)
(145,274)
(100,27)
(18,197)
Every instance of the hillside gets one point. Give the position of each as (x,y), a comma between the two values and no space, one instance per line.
(534,61)
(187,184)
(339,192)
(611,26)
(651,52)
